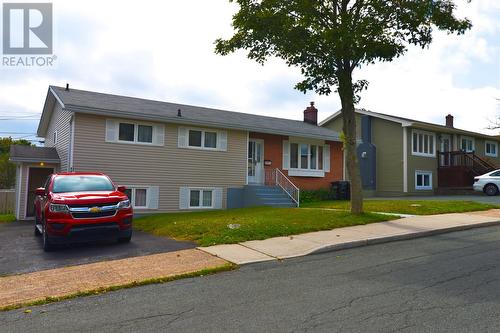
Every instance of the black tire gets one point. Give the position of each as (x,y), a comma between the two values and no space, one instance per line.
(125,239)
(37,232)
(491,190)
(47,246)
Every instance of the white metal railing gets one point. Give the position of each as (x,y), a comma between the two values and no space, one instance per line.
(275,177)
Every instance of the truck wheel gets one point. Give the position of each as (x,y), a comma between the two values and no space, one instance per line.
(491,189)
(37,232)
(125,239)
(47,246)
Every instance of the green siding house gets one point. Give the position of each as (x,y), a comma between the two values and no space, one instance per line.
(400,156)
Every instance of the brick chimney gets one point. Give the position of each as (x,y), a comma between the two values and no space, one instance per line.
(449,121)
(311,115)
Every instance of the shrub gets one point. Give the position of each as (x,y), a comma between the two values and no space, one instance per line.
(316,195)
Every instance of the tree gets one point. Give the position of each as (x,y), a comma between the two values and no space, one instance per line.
(329,39)
(8,169)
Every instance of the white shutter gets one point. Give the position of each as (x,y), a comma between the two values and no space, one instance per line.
(184,198)
(222,140)
(153,197)
(286,154)
(217,193)
(182,139)
(158,135)
(111,130)
(326,158)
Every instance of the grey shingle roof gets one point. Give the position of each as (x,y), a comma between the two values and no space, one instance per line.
(131,107)
(20,153)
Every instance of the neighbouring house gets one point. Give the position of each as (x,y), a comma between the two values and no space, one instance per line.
(401,156)
(178,157)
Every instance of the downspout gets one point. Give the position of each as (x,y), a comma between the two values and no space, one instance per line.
(405,159)
(19,175)
(246,158)
(71,143)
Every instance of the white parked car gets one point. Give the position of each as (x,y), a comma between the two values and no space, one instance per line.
(488,183)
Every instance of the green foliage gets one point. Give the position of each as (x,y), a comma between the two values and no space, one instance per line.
(328,38)
(7,169)
(7,218)
(317,195)
(212,227)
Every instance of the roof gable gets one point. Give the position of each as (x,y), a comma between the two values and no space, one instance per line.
(136,108)
(406,122)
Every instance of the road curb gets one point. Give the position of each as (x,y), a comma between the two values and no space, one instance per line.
(395,238)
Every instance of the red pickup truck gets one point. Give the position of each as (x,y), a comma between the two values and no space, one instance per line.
(75,207)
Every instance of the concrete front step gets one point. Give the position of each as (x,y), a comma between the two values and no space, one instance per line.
(270,196)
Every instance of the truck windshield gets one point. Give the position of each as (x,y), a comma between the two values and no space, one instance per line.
(82,183)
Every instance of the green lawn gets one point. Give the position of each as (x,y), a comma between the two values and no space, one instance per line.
(211,227)
(7,218)
(413,207)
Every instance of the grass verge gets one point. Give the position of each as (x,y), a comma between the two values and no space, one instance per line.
(98,291)
(7,218)
(238,225)
(413,207)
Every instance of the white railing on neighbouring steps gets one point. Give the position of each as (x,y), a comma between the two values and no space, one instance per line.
(275,177)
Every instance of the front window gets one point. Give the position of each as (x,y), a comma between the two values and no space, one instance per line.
(195,138)
(294,156)
(202,139)
(210,140)
(491,149)
(83,183)
(423,180)
(129,132)
(423,143)
(144,133)
(306,156)
(467,144)
(200,198)
(126,132)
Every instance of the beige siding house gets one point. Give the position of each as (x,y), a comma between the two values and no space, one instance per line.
(175,157)
(411,157)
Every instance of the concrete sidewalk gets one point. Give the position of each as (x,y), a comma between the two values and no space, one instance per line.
(59,282)
(342,238)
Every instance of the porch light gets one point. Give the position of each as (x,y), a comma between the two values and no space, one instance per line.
(42,164)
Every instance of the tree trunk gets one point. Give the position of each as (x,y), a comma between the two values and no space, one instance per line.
(349,119)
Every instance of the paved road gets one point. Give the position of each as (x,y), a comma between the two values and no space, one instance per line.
(21,251)
(445,283)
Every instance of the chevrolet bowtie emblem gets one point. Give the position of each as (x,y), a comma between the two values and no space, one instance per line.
(95,209)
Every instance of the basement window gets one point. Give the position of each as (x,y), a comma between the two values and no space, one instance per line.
(423,180)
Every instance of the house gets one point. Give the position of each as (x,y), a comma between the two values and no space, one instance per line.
(178,157)
(401,156)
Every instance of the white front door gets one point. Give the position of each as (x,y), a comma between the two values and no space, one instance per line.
(256,161)
(445,148)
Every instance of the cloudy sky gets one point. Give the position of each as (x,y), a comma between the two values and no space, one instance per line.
(164,50)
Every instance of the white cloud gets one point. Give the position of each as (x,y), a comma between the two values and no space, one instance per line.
(165,50)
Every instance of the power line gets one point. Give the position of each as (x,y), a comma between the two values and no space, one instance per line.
(25,133)
(19,118)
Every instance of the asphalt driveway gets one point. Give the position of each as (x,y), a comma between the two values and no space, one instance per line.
(21,251)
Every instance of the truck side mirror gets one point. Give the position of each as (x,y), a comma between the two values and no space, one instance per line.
(121,188)
(40,191)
